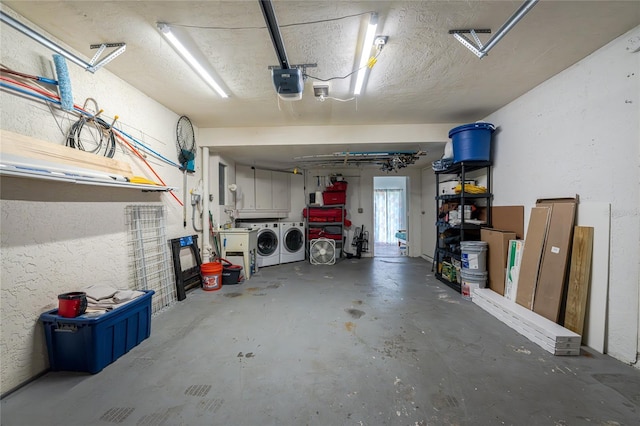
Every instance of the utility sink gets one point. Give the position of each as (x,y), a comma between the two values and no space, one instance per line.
(242,240)
(237,230)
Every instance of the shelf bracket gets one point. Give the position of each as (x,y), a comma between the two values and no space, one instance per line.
(475,48)
(121,47)
(481,50)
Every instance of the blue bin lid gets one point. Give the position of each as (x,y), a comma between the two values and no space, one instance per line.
(473,126)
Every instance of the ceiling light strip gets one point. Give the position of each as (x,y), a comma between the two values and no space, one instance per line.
(165,30)
(366,51)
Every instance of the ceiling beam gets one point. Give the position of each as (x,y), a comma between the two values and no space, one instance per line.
(313,135)
(274,32)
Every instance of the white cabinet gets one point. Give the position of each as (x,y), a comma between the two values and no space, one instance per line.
(281,190)
(245,194)
(262,193)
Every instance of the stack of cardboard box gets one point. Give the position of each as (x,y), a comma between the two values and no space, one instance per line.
(508,225)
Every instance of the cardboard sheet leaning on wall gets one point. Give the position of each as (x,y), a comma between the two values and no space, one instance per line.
(547,251)
(556,256)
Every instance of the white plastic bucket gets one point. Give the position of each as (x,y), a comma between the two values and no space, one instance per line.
(474,255)
(472,280)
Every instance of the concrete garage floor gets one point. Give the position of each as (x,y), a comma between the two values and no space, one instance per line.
(364,342)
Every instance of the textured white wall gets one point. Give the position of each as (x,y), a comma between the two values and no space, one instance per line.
(60,237)
(578,133)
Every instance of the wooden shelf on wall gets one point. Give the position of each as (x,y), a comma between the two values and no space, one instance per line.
(26,157)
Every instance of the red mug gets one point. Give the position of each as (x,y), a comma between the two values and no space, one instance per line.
(71,305)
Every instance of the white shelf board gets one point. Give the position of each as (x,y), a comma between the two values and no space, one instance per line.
(550,336)
(77,177)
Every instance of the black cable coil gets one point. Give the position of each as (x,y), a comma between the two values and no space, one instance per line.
(101,135)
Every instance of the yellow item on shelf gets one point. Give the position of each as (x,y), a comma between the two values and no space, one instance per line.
(471,189)
(139,179)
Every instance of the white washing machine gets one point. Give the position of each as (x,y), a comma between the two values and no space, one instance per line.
(268,242)
(292,242)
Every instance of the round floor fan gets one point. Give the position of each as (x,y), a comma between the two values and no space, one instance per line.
(186,144)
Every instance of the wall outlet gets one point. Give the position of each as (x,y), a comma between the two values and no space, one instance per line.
(360,210)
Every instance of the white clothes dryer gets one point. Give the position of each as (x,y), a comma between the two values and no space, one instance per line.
(268,242)
(292,242)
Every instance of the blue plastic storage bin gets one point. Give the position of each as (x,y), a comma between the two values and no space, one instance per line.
(91,343)
(472,142)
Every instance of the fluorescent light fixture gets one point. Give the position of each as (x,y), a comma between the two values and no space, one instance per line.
(366,52)
(165,30)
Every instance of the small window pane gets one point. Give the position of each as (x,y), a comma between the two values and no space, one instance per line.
(222,183)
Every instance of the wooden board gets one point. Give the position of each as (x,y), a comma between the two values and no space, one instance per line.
(555,259)
(598,216)
(531,256)
(32,148)
(579,275)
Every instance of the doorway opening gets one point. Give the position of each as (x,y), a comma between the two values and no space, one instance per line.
(390,215)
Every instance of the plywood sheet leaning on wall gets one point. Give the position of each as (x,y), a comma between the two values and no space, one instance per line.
(579,275)
(598,216)
(531,256)
(555,258)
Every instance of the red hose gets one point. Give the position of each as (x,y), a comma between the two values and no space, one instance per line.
(135,151)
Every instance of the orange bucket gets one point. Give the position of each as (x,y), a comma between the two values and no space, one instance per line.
(211,276)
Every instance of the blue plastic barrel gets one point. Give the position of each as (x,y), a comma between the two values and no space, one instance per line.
(472,142)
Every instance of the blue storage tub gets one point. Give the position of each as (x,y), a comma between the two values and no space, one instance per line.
(472,142)
(91,343)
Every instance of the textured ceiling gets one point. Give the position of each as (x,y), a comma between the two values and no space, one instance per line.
(423,75)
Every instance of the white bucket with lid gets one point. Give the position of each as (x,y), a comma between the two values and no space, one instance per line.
(474,255)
